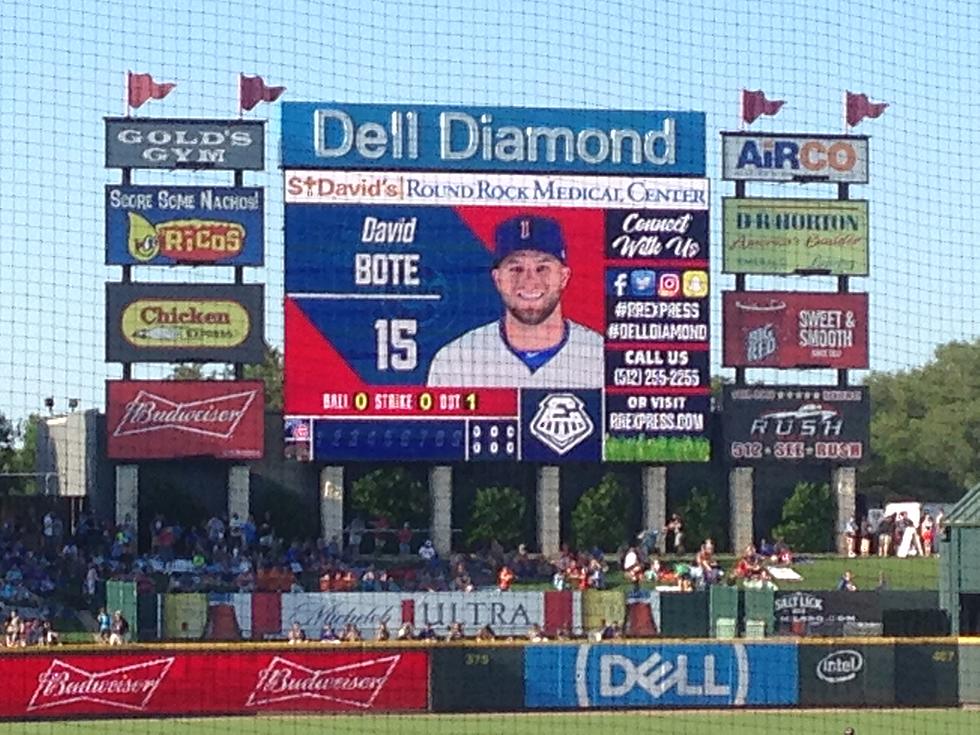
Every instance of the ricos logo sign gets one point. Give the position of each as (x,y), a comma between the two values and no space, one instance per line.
(789,157)
(840,666)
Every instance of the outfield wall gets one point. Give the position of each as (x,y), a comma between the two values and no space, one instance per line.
(245,679)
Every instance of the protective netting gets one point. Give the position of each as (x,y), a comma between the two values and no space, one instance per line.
(389,314)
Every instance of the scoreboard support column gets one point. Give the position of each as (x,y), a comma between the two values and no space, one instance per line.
(332,504)
(843,482)
(654,498)
(127,494)
(549,510)
(441,504)
(239,491)
(740,488)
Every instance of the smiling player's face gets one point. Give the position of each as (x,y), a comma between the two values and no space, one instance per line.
(530,284)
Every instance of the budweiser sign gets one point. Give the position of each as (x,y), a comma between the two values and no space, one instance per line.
(353,685)
(169,419)
(124,687)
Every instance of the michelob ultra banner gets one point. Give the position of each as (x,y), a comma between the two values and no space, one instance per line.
(165,322)
(795,236)
(184,225)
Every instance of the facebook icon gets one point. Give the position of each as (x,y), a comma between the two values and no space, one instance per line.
(619,283)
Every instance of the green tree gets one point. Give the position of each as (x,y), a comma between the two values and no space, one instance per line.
(809,517)
(703,519)
(269,371)
(497,514)
(392,493)
(599,517)
(925,427)
(7,438)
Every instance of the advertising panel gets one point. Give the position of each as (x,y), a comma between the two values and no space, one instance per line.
(245,683)
(184,225)
(165,322)
(793,157)
(478,679)
(927,674)
(496,317)
(378,137)
(796,423)
(510,614)
(795,236)
(795,330)
(167,419)
(847,675)
(668,675)
(819,607)
(186,144)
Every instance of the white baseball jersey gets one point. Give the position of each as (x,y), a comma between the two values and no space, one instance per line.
(482,359)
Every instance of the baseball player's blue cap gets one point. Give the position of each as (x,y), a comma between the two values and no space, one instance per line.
(529,232)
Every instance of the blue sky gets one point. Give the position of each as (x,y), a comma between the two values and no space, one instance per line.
(63,64)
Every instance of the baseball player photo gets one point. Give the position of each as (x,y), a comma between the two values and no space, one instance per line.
(532,345)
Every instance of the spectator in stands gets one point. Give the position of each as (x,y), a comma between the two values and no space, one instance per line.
(749,566)
(328,634)
(485,634)
(104,621)
(852,532)
(846,582)
(674,535)
(13,630)
(296,634)
(355,534)
(48,635)
(119,630)
(351,634)
(382,633)
(536,634)
(866,536)
(428,554)
(597,574)
(633,567)
(505,578)
(937,531)
(455,632)
(427,633)
(405,539)
(886,532)
(406,632)
(522,564)
(706,570)
(926,531)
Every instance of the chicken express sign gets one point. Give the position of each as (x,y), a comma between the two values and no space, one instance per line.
(149,322)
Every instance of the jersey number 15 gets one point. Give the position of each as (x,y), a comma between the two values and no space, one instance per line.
(397,349)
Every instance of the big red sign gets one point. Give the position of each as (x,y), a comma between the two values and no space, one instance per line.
(168,419)
(309,680)
(787,330)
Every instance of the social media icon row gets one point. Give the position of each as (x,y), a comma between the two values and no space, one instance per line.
(664,285)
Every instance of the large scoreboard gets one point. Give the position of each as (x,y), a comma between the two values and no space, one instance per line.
(495,285)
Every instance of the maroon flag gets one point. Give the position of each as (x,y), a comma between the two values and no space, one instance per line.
(858,107)
(252,90)
(143,88)
(755,104)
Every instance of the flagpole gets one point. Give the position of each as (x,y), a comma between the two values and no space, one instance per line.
(843,108)
(741,109)
(240,112)
(126,91)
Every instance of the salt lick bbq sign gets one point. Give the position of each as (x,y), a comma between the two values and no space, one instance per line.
(172,419)
(199,683)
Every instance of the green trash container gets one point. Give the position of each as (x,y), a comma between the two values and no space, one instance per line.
(722,603)
(755,628)
(726,628)
(761,605)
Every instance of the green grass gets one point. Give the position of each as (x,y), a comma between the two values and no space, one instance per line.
(824,572)
(660,449)
(864,722)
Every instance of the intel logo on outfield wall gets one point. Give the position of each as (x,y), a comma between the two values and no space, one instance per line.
(331,135)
